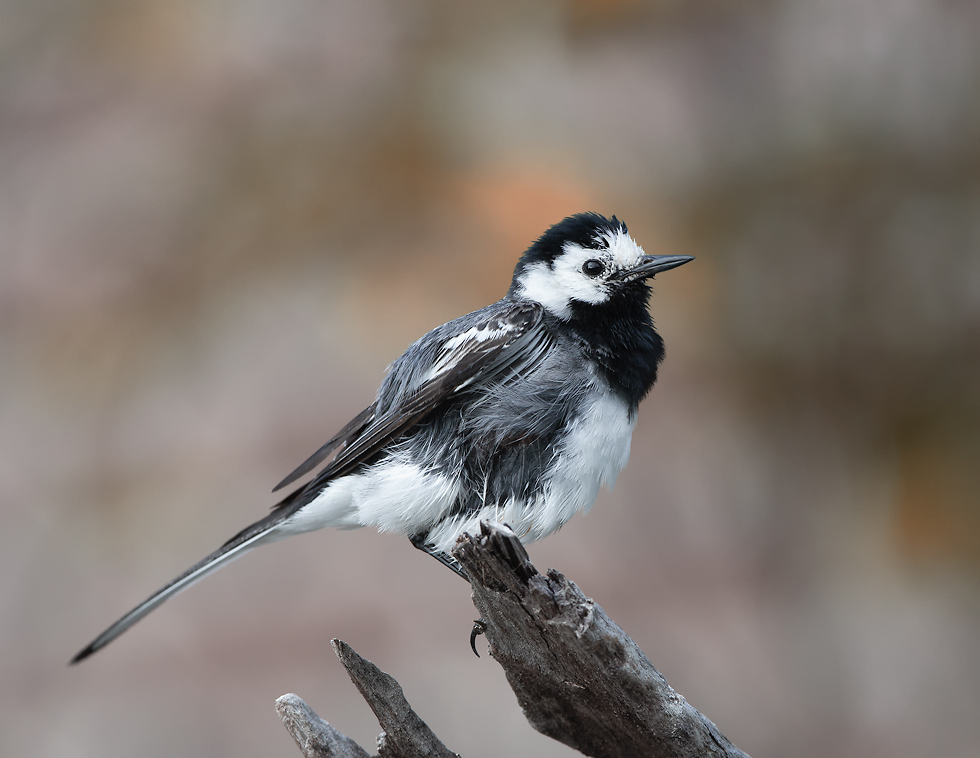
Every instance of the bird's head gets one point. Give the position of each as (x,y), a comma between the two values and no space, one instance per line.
(586,259)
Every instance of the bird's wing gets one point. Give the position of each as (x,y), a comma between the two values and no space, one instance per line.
(459,360)
(485,351)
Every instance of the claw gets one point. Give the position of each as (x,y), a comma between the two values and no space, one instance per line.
(479,627)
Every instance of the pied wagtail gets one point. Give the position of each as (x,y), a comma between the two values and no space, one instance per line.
(517,412)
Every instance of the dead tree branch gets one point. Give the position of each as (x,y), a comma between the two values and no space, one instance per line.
(315,737)
(405,735)
(578,677)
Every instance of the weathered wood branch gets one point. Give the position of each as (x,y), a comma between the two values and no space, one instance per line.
(404,729)
(405,735)
(578,677)
(315,737)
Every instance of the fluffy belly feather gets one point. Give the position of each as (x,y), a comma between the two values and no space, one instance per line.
(595,450)
(402,496)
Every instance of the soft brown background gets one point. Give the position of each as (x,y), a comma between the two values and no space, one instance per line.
(222,220)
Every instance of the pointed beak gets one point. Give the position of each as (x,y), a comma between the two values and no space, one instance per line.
(654,264)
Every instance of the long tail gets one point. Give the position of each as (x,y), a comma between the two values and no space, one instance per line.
(252,536)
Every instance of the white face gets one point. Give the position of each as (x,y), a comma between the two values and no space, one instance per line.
(556,286)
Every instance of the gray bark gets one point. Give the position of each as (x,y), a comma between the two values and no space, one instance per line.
(315,737)
(405,735)
(403,729)
(578,677)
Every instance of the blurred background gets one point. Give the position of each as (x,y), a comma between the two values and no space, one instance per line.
(222,220)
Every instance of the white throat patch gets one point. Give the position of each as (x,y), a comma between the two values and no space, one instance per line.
(555,286)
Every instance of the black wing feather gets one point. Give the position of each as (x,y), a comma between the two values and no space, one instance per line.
(353,428)
(515,338)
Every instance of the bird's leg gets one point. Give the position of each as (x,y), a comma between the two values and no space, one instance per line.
(444,558)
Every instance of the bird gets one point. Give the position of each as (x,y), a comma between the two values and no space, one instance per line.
(517,413)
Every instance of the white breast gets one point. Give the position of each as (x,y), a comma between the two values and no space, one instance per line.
(594,452)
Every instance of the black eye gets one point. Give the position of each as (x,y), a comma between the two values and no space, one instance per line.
(593,267)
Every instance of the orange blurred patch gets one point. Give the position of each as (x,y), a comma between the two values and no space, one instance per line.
(516,204)
(938,514)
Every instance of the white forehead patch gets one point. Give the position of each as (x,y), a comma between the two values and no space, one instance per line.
(623,250)
(556,286)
